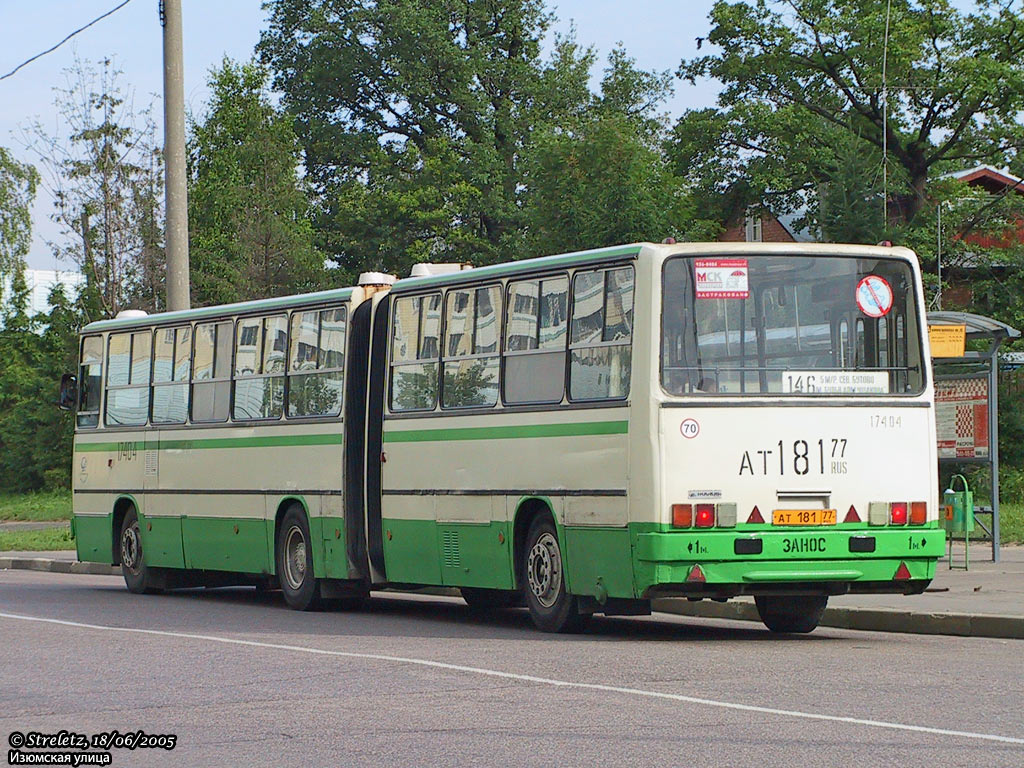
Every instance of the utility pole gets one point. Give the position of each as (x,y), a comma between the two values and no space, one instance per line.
(178,296)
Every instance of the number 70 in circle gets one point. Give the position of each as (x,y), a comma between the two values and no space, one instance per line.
(690,428)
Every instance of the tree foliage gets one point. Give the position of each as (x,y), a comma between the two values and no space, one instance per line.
(34,352)
(18,183)
(436,130)
(106,177)
(801,76)
(249,227)
(602,178)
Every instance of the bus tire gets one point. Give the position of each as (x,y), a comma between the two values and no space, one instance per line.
(480,599)
(791,614)
(138,577)
(294,555)
(551,607)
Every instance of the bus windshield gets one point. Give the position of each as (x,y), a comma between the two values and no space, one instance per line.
(790,325)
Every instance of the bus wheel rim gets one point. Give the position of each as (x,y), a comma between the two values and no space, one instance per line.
(295,557)
(544,570)
(131,548)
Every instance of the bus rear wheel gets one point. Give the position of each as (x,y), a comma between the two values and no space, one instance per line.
(551,607)
(137,575)
(791,614)
(294,553)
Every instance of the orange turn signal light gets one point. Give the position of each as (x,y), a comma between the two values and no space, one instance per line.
(918,512)
(682,515)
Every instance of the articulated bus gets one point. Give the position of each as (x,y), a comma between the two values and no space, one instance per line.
(579,433)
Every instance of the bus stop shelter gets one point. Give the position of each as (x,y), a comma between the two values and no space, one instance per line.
(967,396)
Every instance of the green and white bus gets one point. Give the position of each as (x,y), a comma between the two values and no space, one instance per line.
(581,433)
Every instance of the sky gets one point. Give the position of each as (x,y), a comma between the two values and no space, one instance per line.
(657,33)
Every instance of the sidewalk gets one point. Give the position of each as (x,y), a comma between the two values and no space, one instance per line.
(986,601)
(62,561)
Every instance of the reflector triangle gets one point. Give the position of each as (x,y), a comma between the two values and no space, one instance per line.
(755,516)
(852,516)
(902,573)
(696,574)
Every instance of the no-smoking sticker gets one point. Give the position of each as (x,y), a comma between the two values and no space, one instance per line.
(690,428)
(874,296)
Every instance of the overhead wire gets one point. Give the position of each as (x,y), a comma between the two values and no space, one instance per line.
(58,45)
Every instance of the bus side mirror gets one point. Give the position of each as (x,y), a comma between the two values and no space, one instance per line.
(68,392)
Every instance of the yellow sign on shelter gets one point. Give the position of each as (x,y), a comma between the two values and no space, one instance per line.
(947,340)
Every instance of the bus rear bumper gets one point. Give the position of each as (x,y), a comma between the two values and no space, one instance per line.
(806,561)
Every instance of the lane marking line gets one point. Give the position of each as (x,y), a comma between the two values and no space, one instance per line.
(527,679)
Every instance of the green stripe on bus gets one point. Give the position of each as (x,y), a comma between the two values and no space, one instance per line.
(507,433)
(270,441)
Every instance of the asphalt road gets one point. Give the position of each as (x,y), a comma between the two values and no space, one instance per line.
(410,680)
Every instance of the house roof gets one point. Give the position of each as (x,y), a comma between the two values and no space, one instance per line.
(992,179)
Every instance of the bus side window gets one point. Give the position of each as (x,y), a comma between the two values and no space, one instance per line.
(316,363)
(601,335)
(171,366)
(471,355)
(536,329)
(128,364)
(211,372)
(90,378)
(260,351)
(415,347)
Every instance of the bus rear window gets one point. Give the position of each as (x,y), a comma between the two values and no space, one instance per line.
(790,325)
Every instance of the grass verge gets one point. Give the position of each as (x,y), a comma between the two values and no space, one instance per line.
(1011,523)
(41,505)
(36,541)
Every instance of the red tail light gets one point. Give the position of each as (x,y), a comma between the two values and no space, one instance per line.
(898,513)
(902,573)
(918,512)
(682,515)
(705,516)
(755,516)
(696,574)
(851,515)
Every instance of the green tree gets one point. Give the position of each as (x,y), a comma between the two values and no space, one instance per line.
(17,190)
(104,170)
(416,116)
(437,131)
(34,351)
(801,76)
(249,227)
(601,178)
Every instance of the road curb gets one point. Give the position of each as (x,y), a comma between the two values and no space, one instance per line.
(869,619)
(49,565)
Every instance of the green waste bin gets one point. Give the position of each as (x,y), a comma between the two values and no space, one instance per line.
(958,507)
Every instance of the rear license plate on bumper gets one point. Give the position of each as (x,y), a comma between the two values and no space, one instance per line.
(803,517)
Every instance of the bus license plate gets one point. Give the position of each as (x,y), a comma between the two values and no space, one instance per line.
(804,517)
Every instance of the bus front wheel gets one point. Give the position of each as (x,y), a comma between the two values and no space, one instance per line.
(791,614)
(137,575)
(295,562)
(551,606)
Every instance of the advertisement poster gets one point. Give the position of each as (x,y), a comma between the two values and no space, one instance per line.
(961,415)
(721,278)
